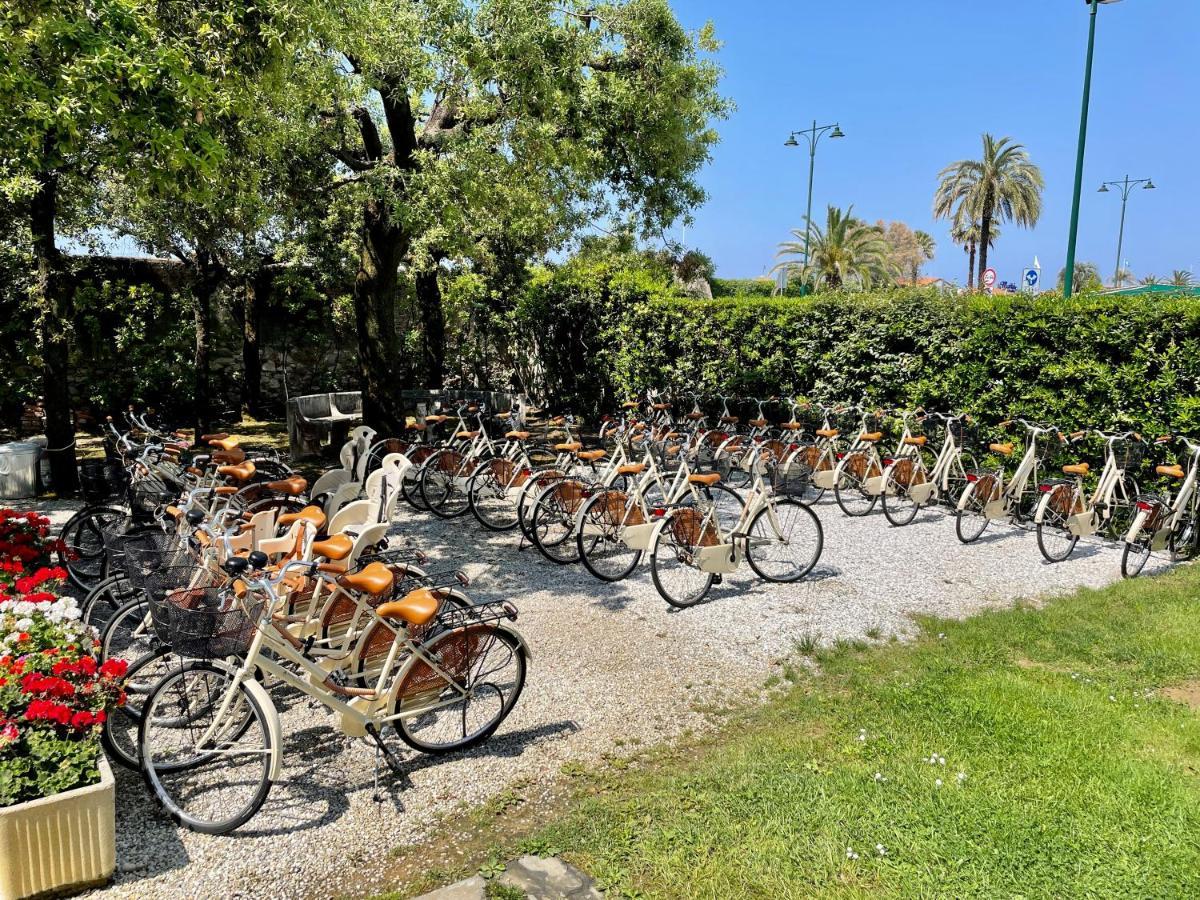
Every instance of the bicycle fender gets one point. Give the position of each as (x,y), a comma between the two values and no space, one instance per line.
(966,496)
(519,639)
(1136,528)
(658,529)
(1042,506)
(274,728)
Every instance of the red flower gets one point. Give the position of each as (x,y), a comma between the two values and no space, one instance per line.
(113,669)
(82,720)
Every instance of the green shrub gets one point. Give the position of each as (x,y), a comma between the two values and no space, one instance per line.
(1090,361)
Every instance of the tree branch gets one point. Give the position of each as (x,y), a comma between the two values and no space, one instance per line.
(372,145)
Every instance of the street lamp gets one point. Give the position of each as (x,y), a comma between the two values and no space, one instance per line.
(1069,275)
(1126,185)
(812,135)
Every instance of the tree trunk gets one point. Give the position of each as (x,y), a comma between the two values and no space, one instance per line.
(985,233)
(433,328)
(209,275)
(380,373)
(251,351)
(971,266)
(54,304)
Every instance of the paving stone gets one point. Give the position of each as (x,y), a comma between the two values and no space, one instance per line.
(549,879)
(468,889)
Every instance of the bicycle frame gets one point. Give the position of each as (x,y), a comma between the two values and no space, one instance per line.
(1184,498)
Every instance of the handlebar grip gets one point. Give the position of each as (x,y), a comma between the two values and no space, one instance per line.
(1005,423)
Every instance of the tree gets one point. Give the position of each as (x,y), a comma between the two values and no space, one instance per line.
(1087,277)
(846,252)
(1002,186)
(457,117)
(1123,275)
(965,231)
(910,250)
(1149,279)
(1182,278)
(92,86)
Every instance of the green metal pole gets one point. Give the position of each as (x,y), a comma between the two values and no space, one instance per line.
(1069,276)
(812,161)
(1121,233)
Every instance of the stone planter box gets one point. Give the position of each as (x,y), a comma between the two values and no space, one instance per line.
(62,843)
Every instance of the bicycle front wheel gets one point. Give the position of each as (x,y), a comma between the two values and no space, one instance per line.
(83,553)
(787,548)
(434,715)
(119,734)
(970,522)
(553,520)
(210,783)
(1134,557)
(492,493)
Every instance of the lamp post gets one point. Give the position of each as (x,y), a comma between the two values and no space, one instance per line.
(1069,274)
(1126,186)
(813,135)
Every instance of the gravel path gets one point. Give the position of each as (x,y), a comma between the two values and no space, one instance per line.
(611,663)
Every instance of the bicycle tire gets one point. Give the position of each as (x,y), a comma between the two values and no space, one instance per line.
(807,563)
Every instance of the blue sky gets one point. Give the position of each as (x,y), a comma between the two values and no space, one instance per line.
(913,93)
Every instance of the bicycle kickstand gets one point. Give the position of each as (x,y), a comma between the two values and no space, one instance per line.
(381,750)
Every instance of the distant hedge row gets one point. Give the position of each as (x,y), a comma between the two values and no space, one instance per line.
(1090,361)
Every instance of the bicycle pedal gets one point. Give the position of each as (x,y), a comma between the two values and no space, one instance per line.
(718,578)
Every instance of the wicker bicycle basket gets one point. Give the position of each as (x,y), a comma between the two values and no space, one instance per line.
(690,530)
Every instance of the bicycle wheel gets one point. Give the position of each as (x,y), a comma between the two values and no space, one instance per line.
(1135,556)
(1182,543)
(119,735)
(216,787)
(410,487)
(440,489)
(82,554)
(729,465)
(553,520)
(790,551)
(103,601)
(600,546)
(673,559)
(850,489)
(129,633)
(970,522)
(1054,538)
(492,494)
(956,477)
(899,507)
(488,666)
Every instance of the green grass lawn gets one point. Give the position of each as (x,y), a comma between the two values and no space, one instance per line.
(1071,768)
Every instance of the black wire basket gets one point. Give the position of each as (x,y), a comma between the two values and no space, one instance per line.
(149,551)
(205,622)
(102,480)
(1050,446)
(148,495)
(1128,453)
(964,432)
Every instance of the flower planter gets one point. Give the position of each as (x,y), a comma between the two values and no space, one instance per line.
(62,843)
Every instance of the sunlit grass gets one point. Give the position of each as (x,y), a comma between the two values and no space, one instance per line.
(1064,773)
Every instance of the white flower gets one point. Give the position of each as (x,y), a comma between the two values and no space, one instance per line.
(881,850)
(879,776)
(24,624)
(850,854)
(962,776)
(938,783)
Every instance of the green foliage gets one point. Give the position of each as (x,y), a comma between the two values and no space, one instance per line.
(606,331)
(845,253)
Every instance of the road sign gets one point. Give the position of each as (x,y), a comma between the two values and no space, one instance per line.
(989,277)
(1030,279)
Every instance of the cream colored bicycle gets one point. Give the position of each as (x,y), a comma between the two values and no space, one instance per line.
(691,548)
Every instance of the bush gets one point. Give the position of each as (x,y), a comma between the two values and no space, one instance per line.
(1090,361)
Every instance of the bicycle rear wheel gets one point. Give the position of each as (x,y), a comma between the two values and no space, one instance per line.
(673,568)
(850,490)
(105,599)
(553,520)
(790,551)
(1134,557)
(970,522)
(600,545)
(216,787)
(492,494)
(488,666)
(1054,538)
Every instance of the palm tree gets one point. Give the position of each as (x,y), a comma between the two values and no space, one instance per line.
(966,232)
(1123,276)
(1150,279)
(1182,278)
(1003,186)
(1087,277)
(927,247)
(846,251)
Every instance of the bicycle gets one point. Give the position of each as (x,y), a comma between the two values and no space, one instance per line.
(987,495)
(1068,512)
(1161,522)
(210,736)
(691,547)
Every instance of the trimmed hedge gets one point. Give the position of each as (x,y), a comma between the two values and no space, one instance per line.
(1090,361)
